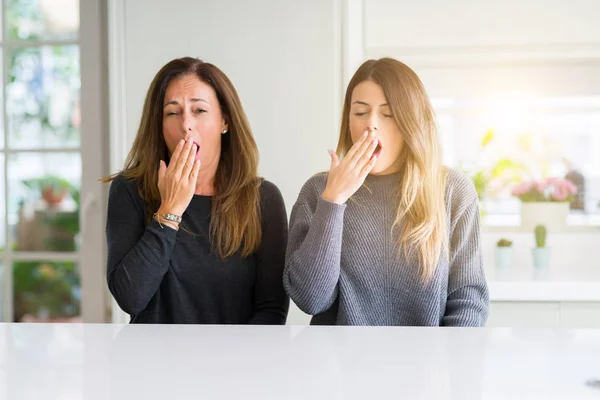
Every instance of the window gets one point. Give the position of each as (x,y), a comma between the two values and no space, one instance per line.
(40,160)
(502,141)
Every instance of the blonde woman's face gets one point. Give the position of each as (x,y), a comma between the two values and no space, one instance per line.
(191,111)
(369,111)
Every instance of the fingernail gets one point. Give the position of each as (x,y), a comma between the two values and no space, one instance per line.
(366,133)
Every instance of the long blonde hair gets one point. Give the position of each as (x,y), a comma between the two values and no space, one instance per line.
(421,209)
(235,215)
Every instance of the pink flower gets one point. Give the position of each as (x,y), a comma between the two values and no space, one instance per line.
(541,185)
(551,189)
(522,188)
(559,194)
(570,186)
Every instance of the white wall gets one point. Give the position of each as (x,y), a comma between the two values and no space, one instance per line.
(443,26)
(467,48)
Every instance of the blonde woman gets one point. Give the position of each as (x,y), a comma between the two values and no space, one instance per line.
(389,236)
(194,236)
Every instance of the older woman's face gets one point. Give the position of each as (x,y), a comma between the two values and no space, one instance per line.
(191,111)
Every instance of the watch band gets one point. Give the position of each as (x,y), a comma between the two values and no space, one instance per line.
(172,217)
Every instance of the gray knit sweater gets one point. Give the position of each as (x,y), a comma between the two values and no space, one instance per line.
(343,265)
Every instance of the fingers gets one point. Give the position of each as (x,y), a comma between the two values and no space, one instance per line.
(368,167)
(335,161)
(363,150)
(195,171)
(181,160)
(357,145)
(367,155)
(162,170)
(176,153)
(189,163)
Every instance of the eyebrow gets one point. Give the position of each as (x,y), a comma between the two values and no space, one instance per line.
(367,104)
(194,100)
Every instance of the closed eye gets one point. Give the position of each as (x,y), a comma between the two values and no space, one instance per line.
(200,111)
(388,115)
(359,114)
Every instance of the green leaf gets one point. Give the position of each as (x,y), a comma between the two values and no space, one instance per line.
(487,138)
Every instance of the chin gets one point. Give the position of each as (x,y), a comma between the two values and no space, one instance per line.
(382,167)
(378,169)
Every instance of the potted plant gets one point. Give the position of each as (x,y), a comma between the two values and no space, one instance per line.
(504,253)
(52,189)
(545,202)
(541,253)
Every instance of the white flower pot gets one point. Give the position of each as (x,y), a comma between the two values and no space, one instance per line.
(503,257)
(541,257)
(553,215)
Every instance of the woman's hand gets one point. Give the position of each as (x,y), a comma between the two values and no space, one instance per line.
(177,182)
(347,176)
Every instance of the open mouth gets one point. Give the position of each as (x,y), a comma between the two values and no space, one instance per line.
(378,149)
(197,151)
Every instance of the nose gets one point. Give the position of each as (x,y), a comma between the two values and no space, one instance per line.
(187,123)
(373,123)
(373,126)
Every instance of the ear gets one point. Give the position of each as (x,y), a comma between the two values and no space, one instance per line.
(225,128)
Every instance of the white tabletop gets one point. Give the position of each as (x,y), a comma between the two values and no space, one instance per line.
(233,362)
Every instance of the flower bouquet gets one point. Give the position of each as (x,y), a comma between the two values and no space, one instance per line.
(545,202)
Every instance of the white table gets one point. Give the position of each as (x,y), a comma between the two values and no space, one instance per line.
(231,362)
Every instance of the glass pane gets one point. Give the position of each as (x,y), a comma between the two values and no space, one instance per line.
(42,19)
(42,97)
(3,294)
(46,291)
(43,201)
(2,138)
(2,210)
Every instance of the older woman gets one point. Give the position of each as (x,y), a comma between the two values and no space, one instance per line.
(193,234)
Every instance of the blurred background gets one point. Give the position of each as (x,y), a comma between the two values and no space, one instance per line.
(515,85)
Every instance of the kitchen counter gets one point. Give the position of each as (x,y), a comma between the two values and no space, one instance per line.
(96,361)
(525,283)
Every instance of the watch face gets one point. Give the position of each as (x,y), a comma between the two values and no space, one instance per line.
(172,217)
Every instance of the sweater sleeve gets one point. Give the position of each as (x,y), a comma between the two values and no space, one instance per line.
(468,299)
(271,303)
(312,268)
(138,255)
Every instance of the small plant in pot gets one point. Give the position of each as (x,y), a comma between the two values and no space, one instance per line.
(541,253)
(503,255)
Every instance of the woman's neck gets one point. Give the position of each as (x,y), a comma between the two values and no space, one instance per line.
(205,184)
